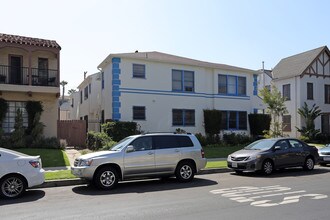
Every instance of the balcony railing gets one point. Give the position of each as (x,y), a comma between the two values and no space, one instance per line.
(20,76)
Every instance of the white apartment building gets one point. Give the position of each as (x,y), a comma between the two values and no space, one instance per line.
(86,102)
(305,77)
(163,92)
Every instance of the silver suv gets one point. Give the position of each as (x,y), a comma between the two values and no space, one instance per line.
(147,155)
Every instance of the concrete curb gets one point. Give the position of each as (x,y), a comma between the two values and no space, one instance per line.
(77,181)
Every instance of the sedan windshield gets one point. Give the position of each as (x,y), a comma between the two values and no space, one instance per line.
(261,145)
(121,144)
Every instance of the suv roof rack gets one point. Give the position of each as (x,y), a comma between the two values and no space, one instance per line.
(164,132)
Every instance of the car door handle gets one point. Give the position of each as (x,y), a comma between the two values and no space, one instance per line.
(150,153)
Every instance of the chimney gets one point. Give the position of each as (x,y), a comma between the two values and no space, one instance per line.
(85,73)
(263,65)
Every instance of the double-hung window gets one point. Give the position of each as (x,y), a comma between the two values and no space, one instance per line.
(327,94)
(310,91)
(8,121)
(139,71)
(86,93)
(139,112)
(183,117)
(286,92)
(233,120)
(183,80)
(286,123)
(231,85)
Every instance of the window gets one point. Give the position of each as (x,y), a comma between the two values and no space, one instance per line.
(102,80)
(325,125)
(139,112)
(233,120)
(183,117)
(102,116)
(286,92)
(327,94)
(183,80)
(139,71)
(231,85)
(9,120)
(286,125)
(72,102)
(142,143)
(171,141)
(241,84)
(86,93)
(90,88)
(81,100)
(295,144)
(310,91)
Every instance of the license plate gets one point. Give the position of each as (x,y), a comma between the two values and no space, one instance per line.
(234,164)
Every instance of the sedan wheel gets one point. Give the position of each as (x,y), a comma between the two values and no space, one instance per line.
(184,172)
(267,167)
(309,164)
(106,178)
(12,187)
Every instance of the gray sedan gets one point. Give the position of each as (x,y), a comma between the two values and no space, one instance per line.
(324,155)
(270,154)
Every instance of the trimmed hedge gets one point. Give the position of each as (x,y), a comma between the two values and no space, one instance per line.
(259,123)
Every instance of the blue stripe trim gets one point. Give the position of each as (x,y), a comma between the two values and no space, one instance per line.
(116,89)
(171,93)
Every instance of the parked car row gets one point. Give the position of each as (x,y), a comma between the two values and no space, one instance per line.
(158,155)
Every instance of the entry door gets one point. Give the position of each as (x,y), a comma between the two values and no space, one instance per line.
(16,70)
(43,71)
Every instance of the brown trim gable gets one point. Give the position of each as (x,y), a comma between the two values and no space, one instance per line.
(312,70)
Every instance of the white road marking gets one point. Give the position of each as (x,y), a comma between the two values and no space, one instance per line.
(241,194)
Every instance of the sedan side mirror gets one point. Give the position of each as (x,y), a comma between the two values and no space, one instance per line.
(130,149)
(277,148)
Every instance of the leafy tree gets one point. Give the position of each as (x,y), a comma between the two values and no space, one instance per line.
(17,137)
(37,129)
(309,116)
(276,107)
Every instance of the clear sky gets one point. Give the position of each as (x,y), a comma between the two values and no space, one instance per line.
(241,33)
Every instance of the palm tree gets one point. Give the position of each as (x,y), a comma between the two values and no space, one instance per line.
(309,115)
(63,83)
(71,91)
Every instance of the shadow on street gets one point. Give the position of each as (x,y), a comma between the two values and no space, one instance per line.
(29,196)
(296,172)
(144,186)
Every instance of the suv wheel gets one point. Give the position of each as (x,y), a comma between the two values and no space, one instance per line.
(267,167)
(184,172)
(106,178)
(309,164)
(12,186)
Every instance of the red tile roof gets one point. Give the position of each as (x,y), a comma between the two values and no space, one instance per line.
(15,39)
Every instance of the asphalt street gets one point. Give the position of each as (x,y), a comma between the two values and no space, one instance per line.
(288,194)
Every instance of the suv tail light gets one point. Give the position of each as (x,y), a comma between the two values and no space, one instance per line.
(202,152)
(35,163)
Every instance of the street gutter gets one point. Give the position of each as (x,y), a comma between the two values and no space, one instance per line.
(77,181)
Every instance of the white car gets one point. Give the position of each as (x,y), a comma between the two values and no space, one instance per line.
(17,172)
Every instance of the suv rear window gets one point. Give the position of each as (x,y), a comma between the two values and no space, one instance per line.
(171,141)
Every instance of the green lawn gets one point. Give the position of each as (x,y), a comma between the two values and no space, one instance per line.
(59,175)
(49,157)
(220,152)
(216,164)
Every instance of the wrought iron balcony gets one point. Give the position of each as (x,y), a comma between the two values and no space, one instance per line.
(20,76)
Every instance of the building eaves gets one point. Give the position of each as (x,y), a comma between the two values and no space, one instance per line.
(21,40)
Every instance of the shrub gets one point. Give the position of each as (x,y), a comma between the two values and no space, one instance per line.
(212,121)
(259,123)
(120,129)
(202,139)
(98,140)
(237,139)
(33,108)
(17,136)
